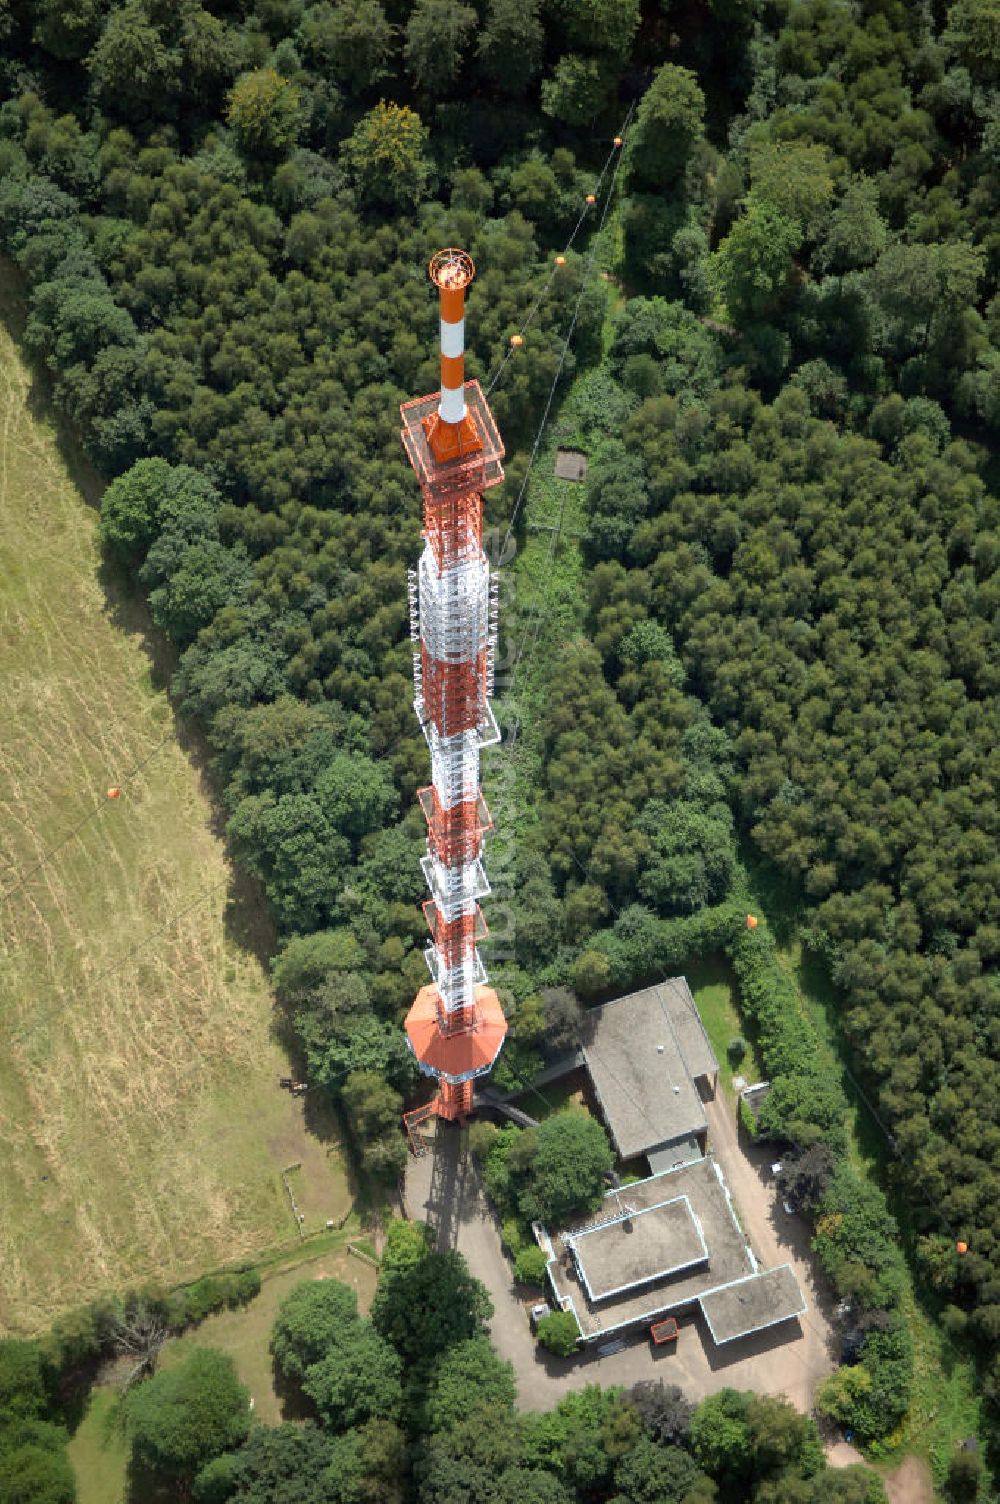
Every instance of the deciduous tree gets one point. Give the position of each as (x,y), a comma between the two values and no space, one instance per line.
(668,122)
(311,1320)
(184,1416)
(438,34)
(386,156)
(426,1307)
(264,111)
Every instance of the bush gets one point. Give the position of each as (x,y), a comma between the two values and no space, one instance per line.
(22,1385)
(183,1417)
(482,1136)
(736,1050)
(529,1266)
(213,1292)
(34,1466)
(512,1237)
(559,1333)
(748,1119)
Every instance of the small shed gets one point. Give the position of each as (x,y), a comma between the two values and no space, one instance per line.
(571,465)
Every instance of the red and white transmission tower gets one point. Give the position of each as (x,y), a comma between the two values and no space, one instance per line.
(456,1025)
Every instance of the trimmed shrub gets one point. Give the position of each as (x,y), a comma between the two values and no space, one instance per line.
(529,1266)
(559,1333)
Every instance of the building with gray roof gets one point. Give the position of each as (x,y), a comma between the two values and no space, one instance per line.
(668,1245)
(652,1066)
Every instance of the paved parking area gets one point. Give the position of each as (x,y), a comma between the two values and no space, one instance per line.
(444,1189)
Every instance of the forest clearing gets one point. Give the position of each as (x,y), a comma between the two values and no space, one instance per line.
(143,1125)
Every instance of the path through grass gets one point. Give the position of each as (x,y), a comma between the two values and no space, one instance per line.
(142,1125)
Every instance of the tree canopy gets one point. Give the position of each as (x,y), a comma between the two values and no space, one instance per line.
(184,1416)
(774,638)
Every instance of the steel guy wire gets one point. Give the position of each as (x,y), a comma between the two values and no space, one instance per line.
(48,854)
(538,614)
(565,349)
(554,269)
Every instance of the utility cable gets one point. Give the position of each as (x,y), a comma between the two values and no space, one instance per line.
(553,273)
(538,437)
(555,268)
(566,343)
(92,814)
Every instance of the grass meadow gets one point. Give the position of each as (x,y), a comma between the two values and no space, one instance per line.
(142,1126)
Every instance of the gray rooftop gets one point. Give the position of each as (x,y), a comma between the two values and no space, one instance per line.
(752,1304)
(619,1288)
(728,1255)
(643,1053)
(699,1057)
(640,1244)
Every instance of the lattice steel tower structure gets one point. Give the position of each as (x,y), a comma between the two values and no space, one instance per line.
(456,1025)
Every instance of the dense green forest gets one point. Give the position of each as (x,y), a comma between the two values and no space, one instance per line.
(788,382)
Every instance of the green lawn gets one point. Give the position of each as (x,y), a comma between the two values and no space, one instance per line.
(714,989)
(143,1127)
(542,1102)
(98,1450)
(245,1333)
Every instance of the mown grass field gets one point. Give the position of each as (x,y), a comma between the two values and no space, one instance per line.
(142,1126)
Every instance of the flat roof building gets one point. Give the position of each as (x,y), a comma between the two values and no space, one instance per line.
(752,1304)
(663,1246)
(651,1065)
(637,1246)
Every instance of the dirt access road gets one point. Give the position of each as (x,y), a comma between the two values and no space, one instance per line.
(443,1188)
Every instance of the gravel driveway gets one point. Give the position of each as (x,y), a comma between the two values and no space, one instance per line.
(444,1189)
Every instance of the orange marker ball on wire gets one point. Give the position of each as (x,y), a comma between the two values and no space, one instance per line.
(591,198)
(752,921)
(517,340)
(560,261)
(961,1247)
(114,793)
(618,140)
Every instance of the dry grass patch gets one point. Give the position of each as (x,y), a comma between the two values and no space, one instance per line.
(139,1107)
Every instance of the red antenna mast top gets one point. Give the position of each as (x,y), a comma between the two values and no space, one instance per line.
(451,270)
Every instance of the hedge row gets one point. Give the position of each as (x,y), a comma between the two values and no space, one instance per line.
(856,1238)
(88,1334)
